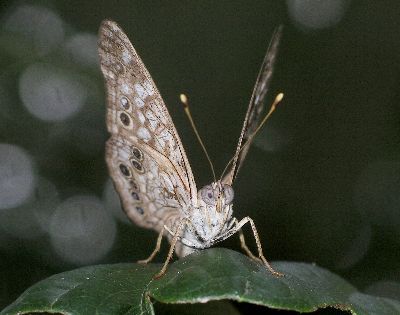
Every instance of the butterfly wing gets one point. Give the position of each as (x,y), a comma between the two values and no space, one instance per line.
(145,155)
(256,105)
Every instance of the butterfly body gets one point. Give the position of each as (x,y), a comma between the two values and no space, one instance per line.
(210,221)
(148,163)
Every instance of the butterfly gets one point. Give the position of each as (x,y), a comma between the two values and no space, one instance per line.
(148,163)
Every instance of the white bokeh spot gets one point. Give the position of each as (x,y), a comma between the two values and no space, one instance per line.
(17,176)
(311,14)
(81,231)
(39,24)
(82,48)
(49,94)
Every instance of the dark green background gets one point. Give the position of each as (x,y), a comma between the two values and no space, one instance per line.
(309,198)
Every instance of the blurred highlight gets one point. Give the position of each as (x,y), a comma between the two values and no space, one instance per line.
(311,14)
(17,176)
(39,24)
(82,48)
(50,94)
(81,231)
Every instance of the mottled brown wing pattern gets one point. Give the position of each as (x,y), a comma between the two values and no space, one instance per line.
(146,188)
(256,105)
(145,155)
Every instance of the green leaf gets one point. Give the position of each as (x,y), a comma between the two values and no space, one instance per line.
(103,289)
(209,275)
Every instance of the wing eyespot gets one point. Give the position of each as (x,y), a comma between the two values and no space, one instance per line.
(124,102)
(135,195)
(137,166)
(140,210)
(125,119)
(137,153)
(124,170)
(133,185)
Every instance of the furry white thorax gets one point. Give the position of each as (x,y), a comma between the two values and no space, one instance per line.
(211,220)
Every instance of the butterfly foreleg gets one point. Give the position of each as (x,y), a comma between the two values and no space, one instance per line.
(243,244)
(156,249)
(180,227)
(258,242)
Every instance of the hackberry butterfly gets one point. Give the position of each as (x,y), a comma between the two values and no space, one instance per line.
(147,161)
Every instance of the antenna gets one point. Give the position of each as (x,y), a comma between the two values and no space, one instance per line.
(277,100)
(185,103)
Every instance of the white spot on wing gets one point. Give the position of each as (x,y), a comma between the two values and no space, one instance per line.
(152,120)
(126,89)
(139,102)
(143,134)
(126,57)
(141,91)
(141,117)
(166,136)
(149,88)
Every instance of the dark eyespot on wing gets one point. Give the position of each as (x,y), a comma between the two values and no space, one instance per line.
(124,119)
(124,170)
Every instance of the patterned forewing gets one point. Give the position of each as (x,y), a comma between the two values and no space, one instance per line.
(145,156)
(256,105)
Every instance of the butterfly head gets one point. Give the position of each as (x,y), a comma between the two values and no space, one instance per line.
(217,195)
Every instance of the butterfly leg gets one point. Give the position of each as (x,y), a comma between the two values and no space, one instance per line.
(179,229)
(156,249)
(243,244)
(259,247)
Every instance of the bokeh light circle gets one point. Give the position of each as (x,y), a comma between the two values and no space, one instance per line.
(313,14)
(82,48)
(51,94)
(17,176)
(38,24)
(81,231)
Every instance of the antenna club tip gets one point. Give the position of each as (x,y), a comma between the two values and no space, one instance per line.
(279,97)
(183,99)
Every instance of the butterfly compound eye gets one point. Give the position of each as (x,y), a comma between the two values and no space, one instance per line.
(228,193)
(207,194)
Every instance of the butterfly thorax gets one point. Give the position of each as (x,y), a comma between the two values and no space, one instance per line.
(211,218)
